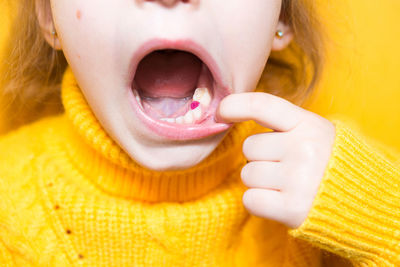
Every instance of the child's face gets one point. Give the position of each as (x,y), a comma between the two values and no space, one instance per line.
(104,41)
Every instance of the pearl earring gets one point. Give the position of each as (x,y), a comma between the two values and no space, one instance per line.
(279,34)
(54,33)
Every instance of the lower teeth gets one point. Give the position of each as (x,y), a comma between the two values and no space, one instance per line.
(201,101)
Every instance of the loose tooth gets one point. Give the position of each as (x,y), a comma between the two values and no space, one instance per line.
(188,118)
(203,96)
(197,113)
(206,99)
(179,120)
(198,93)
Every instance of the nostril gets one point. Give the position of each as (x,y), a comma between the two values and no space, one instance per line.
(169,2)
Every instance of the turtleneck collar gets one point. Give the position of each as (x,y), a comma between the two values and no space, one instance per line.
(101,160)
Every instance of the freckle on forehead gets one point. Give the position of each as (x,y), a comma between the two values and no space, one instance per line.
(78,14)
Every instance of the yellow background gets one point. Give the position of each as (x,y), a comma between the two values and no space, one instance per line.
(361,78)
(4,22)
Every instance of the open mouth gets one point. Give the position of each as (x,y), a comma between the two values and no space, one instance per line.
(176,94)
(174,86)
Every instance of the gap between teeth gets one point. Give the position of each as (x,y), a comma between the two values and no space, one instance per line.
(201,95)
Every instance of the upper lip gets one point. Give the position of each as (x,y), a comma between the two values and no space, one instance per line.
(183,45)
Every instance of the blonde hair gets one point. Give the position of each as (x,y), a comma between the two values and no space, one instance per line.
(31,73)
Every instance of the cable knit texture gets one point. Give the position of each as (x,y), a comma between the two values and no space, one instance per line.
(70,196)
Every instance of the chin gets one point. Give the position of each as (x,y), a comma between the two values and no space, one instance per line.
(170,163)
(177,155)
(173,165)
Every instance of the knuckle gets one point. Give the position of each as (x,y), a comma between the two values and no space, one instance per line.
(295,208)
(297,204)
(308,149)
(317,127)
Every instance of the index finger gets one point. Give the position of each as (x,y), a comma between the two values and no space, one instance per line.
(268,110)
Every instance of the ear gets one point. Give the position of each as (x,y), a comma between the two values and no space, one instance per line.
(45,19)
(280,43)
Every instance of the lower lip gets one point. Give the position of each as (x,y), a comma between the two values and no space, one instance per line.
(174,131)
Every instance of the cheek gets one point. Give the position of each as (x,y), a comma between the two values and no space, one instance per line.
(80,27)
(248,28)
(67,16)
(83,34)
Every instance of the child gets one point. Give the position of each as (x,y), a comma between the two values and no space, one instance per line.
(143,168)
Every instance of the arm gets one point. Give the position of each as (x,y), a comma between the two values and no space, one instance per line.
(356,213)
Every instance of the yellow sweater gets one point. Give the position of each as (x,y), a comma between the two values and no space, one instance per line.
(71,197)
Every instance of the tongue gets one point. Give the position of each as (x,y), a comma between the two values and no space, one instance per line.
(168,73)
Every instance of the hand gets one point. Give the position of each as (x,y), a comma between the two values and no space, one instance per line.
(285,166)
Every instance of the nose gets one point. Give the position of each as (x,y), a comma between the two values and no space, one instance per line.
(169,3)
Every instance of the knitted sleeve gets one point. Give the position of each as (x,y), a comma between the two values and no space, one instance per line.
(356,212)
